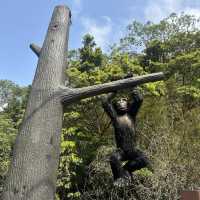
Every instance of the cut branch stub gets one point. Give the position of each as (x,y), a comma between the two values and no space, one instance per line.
(36,49)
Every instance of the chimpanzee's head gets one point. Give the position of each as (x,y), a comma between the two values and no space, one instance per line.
(121,105)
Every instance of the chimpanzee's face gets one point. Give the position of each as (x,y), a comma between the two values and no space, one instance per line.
(122,105)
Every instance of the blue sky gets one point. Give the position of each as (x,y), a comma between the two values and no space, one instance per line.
(23,22)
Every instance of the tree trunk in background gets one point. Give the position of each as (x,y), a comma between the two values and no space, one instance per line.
(32,175)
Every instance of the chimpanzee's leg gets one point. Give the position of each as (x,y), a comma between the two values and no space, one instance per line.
(137,160)
(116,166)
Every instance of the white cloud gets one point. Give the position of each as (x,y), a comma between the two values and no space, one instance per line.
(102,32)
(159,9)
(101,28)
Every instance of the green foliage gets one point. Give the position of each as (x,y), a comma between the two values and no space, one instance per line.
(7,90)
(139,34)
(170,46)
(7,135)
(185,70)
(15,98)
(166,124)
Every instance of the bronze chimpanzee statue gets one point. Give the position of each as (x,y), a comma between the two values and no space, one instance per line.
(123,116)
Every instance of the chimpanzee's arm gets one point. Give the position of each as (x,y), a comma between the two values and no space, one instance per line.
(107,105)
(136,102)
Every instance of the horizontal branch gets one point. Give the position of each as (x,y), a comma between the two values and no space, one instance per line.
(36,49)
(69,95)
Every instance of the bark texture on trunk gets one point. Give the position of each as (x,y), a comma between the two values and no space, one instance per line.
(32,175)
